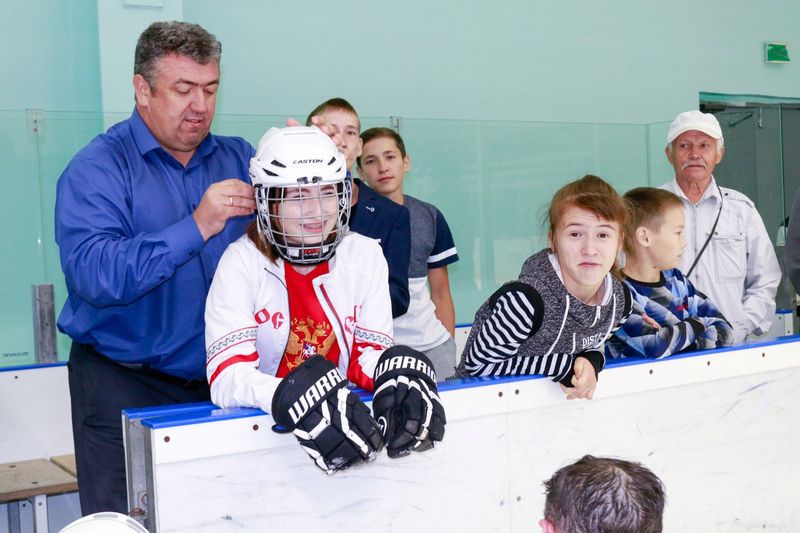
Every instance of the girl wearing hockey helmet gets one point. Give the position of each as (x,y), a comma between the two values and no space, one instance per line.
(299,296)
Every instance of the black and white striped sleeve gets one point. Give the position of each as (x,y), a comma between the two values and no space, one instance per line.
(515,315)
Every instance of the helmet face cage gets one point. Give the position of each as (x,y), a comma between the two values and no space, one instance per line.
(304,222)
(302,193)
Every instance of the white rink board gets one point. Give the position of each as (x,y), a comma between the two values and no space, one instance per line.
(719,428)
(35,414)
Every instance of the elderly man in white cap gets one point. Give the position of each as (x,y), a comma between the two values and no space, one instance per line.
(729,255)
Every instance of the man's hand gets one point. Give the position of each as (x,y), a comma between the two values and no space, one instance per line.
(221,201)
(583,382)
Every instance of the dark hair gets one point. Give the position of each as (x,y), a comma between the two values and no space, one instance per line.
(382,133)
(604,495)
(334,104)
(266,248)
(646,207)
(182,38)
(263,245)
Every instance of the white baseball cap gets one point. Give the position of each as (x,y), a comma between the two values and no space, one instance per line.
(697,121)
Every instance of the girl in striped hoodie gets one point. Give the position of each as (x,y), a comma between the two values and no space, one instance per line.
(554,319)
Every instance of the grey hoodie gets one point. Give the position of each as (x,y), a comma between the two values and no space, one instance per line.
(535,326)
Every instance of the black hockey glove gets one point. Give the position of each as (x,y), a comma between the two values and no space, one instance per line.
(406,402)
(331,423)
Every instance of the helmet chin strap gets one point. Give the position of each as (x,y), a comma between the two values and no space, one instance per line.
(309,255)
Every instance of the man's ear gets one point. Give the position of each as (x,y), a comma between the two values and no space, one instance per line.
(547,526)
(643,236)
(141,90)
(720,154)
(669,154)
(406,163)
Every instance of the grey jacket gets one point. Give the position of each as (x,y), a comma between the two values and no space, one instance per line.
(535,326)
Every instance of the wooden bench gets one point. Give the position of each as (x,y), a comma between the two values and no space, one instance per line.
(34,481)
(66,463)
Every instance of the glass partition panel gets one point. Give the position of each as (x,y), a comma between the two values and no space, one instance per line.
(493,182)
(491,179)
(21,253)
(660,170)
(249,127)
(63,134)
(252,127)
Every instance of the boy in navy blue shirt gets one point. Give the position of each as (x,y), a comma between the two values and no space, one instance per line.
(429,324)
(371,215)
(669,314)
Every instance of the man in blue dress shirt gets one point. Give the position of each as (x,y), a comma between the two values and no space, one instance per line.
(143,214)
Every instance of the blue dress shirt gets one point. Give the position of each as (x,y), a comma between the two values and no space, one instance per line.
(136,267)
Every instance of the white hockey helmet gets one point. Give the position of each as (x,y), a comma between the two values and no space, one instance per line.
(106,522)
(302,196)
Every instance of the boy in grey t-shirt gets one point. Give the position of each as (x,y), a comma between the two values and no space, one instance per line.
(429,324)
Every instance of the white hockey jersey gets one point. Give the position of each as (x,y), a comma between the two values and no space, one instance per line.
(247,318)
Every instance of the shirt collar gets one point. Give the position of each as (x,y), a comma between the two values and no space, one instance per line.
(712,191)
(146,141)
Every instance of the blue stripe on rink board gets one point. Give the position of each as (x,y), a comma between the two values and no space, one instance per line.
(168,410)
(181,415)
(32,366)
(209,413)
(743,346)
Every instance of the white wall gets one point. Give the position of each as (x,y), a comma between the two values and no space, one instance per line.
(50,52)
(120,24)
(573,61)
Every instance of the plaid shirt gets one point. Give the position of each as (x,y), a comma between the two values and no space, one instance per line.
(688,319)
